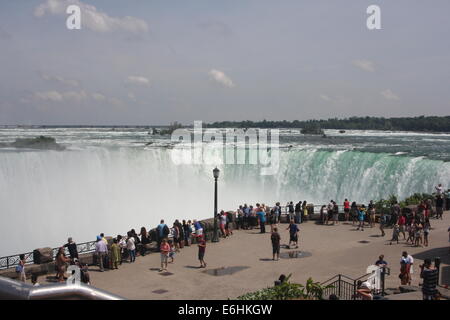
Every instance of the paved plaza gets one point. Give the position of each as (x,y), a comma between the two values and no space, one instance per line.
(243,262)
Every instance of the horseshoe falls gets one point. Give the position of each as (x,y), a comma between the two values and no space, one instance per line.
(111,180)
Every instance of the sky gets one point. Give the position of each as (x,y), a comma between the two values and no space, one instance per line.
(158,61)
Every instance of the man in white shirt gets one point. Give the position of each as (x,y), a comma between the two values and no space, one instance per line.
(101,249)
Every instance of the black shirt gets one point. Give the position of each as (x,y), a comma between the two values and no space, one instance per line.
(73,252)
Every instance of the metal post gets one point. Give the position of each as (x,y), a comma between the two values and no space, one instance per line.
(339,286)
(383,272)
(437,264)
(216,231)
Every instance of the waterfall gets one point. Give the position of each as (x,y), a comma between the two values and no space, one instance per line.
(47,196)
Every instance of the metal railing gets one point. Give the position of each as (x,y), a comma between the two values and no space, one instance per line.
(346,288)
(15,290)
(13,260)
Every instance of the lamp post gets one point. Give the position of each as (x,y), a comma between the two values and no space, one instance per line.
(215,237)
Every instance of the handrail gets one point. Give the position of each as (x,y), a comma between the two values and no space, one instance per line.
(14,290)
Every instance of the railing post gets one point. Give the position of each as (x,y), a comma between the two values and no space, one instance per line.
(383,272)
(7,262)
(339,286)
(354,290)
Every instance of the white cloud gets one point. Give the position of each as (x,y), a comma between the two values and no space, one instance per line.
(91,18)
(389,95)
(138,80)
(325,97)
(221,78)
(365,65)
(64,81)
(98,97)
(54,96)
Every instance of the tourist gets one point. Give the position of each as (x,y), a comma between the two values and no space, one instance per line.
(198,228)
(187,232)
(162,231)
(335,213)
(61,262)
(102,235)
(382,223)
(430,276)
(439,206)
(290,207)
(246,218)
(72,247)
(395,214)
(409,260)
(101,250)
(330,208)
(278,212)
(201,243)
(123,248)
(131,247)
(371,215)
(364,290)
(84,273)
(402,225)
(418,234)
(346,209)
(404,274)
(240,217)
(180,243)
(324,214)
(304,216)
(253,218)
(426,231)
(354,212)
(164,250)
(410,228)
(20,269)
(361,217)
(439,189)
(293,233)
(34,280)
(275,238)
(262,219)
(145,240)
(135,236)
(115,254)
(395,233)
(176,237)
(229,224)
(223,222)
(172,250)
(381,262)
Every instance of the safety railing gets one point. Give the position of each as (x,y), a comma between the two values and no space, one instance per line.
(13,260)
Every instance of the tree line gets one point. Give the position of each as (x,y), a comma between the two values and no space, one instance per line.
(422,123)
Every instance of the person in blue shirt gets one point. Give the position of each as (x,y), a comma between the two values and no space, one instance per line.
(293,233)
(262,219)
(162,231)
(361,217)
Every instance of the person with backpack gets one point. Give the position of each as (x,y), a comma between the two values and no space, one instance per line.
(162,232)
(291,210)
(20,269)
(293,233)
(275,239)
(298,208)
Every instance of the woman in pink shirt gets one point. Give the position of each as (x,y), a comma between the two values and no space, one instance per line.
(402,223)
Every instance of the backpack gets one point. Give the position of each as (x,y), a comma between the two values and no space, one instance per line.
(19,268)
(166,230)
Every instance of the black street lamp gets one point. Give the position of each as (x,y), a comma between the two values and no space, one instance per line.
(216,229)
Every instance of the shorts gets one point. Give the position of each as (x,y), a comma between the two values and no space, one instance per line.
(346,210)
(201,255)
(164,258)
(276,248)
(293,237)
(335,216)
(199,232)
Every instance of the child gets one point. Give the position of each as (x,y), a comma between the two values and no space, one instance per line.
(172,251)
(201,251)
(395,233)
(164,249)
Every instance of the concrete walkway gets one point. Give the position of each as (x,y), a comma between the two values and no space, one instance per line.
(247,254)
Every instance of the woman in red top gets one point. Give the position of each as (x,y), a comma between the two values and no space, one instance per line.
(402,225)
(346,209)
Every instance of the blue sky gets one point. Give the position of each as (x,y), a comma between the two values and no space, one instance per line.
(221,60)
